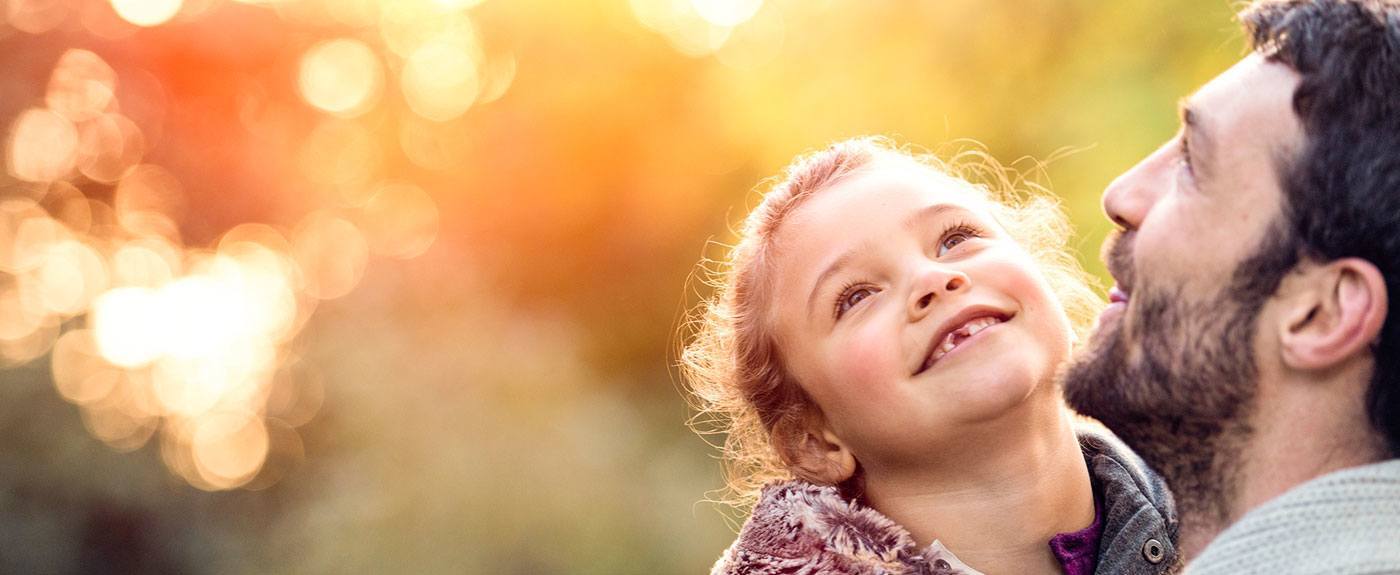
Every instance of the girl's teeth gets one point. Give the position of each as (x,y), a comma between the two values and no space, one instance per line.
(957,336)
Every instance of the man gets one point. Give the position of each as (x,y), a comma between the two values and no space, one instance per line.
(1247,353)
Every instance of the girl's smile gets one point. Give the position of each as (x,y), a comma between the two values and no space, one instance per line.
(961,331)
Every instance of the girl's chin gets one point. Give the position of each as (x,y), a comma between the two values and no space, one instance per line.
(1004,394)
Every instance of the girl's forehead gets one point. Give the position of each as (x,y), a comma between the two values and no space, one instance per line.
(888,189)
(859,215)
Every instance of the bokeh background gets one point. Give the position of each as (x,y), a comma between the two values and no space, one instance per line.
(393,286)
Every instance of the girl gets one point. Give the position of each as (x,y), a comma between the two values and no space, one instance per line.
(881,354)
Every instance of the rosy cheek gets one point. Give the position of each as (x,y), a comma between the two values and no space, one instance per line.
(864,361)
(1017,277)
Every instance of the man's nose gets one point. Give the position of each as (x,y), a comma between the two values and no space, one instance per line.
(934,281)
(1130,197)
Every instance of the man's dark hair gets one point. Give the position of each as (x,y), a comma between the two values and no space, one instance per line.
(1342,189)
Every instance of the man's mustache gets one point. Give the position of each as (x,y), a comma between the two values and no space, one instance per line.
(1117,256)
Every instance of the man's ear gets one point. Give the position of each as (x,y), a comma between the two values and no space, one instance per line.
(818,455)
(1337,313)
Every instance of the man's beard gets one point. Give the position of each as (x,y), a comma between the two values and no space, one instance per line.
(1179,390)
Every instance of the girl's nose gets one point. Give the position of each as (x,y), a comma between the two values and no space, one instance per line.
(935,281)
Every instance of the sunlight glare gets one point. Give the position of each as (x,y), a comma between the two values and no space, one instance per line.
(342,77)
(147,12)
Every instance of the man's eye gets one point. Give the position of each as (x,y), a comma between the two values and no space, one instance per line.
(851,297)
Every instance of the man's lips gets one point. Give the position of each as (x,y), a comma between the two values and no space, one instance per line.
(959,324)
(1117,295)
(1117,305)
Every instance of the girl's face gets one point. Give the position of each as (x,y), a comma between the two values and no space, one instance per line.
(909,315)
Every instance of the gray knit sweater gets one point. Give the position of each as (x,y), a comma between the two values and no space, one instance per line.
(1342,522)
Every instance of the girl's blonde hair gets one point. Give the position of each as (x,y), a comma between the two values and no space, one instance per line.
(731,364)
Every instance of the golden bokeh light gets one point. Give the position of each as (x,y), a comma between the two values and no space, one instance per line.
(15,213)
(147,201)
(67,205)
(427,146)
(82,86)
(353,13)
(126,326)
(267,277)
(192,387)
(689,32)
(145,262)
(254,234)
(229,448)
(331,253)
(100,20)
(297,394)
(108,146)
(499,74)
(36,16)
(43,146)
(68,276)
(79,372)
(284,452)
(147,12)
(32,240)
(440,80)
(342,154)
(32,345)
(193,343)
(457,4)
(118,425)
(756,42)
(401,220)
(18,320)
(342,77)
(202,314)
(405,25)
(728,13)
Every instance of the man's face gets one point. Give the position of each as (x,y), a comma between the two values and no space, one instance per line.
(1199,205)
(1171,366)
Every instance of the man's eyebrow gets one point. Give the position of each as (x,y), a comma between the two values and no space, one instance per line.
(923,215)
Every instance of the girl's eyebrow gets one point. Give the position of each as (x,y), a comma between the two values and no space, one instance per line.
(831,270)
(929,213)
(836,265)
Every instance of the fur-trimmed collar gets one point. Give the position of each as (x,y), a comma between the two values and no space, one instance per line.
(799,528)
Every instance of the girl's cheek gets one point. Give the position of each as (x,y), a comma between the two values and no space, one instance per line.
(865,362)
(1022,279)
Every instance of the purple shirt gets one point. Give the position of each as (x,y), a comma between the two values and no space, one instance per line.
(1078,551)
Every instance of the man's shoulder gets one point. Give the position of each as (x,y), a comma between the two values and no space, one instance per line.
(1343,522)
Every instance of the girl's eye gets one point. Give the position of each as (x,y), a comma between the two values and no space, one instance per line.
(850,297)
(957,235)
(952,241)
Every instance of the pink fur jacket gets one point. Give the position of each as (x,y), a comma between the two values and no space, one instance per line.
(798,528)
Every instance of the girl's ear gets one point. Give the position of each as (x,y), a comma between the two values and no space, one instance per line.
(820,456)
